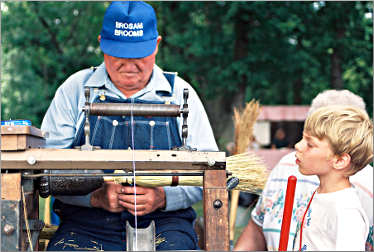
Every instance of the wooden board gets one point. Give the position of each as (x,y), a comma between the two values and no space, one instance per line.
(112,159)
(21,130)
(15,138)
(11,186)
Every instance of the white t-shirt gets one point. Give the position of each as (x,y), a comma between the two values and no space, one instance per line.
(268,212)
(334,221)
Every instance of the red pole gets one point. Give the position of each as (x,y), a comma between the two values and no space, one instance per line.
(287,213)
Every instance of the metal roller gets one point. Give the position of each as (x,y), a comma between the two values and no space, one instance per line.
(74,185)
(137,109)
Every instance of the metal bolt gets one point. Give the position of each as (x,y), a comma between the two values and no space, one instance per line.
(211,162)
(8,229)
(232,183)
(217,204)
(31,160)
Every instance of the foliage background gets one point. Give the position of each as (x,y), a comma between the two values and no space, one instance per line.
(231,52)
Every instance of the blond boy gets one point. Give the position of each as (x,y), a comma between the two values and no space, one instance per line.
(337,142)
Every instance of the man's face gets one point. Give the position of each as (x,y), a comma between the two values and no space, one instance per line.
(130,75)
(313,156)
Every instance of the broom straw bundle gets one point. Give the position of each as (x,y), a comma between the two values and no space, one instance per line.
(250,170)
(247,167)
(243,125)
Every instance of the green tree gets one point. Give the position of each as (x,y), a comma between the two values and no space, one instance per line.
(231,52)
(42,44)
(277,52)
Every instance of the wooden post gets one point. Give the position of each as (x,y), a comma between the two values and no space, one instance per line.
(20,225)
(14,191)
(11,212)
(233,212)
(216,211)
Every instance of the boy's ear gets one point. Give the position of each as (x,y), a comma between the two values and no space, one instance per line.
(342,161)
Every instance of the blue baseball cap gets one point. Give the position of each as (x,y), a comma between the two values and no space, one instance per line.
(129,30)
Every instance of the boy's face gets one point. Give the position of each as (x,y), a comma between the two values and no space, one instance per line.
(313,156)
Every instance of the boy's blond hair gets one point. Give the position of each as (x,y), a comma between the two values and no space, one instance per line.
(348,129)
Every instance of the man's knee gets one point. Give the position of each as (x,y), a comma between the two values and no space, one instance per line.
(72,241)
(175,240)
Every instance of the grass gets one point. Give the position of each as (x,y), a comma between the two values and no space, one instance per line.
(41,208)
(241,222)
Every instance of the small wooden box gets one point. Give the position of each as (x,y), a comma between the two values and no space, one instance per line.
(19,137)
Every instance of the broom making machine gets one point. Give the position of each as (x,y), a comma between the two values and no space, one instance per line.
(26,173)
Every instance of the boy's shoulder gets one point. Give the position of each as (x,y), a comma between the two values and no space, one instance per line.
(347,199)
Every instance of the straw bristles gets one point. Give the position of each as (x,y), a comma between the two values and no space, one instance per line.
(250,170)
(247,167)
(154,181)
(243,124)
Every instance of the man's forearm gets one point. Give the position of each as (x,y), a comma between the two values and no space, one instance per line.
(251,239)
(181,197)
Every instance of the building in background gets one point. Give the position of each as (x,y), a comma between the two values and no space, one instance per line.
(271,118)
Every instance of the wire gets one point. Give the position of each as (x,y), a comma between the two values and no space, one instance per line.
(134,169)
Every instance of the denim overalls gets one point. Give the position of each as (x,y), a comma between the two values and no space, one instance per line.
(83,228)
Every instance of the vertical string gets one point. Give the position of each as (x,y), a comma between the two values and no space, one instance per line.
(134,177)
(26,220)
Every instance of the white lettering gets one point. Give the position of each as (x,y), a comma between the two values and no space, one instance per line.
(126,33)
(131,26)
(128,29)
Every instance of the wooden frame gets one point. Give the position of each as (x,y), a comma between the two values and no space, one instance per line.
(211,164)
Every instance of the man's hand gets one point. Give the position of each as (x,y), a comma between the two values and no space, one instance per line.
(107,197)
(117,198)
(148,199)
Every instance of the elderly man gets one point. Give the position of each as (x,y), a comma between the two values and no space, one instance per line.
(129,41)
(263,230)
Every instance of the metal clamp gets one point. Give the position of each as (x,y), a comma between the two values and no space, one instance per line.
(126,109)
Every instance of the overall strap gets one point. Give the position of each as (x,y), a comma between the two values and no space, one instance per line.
(93,69)
(170,76)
